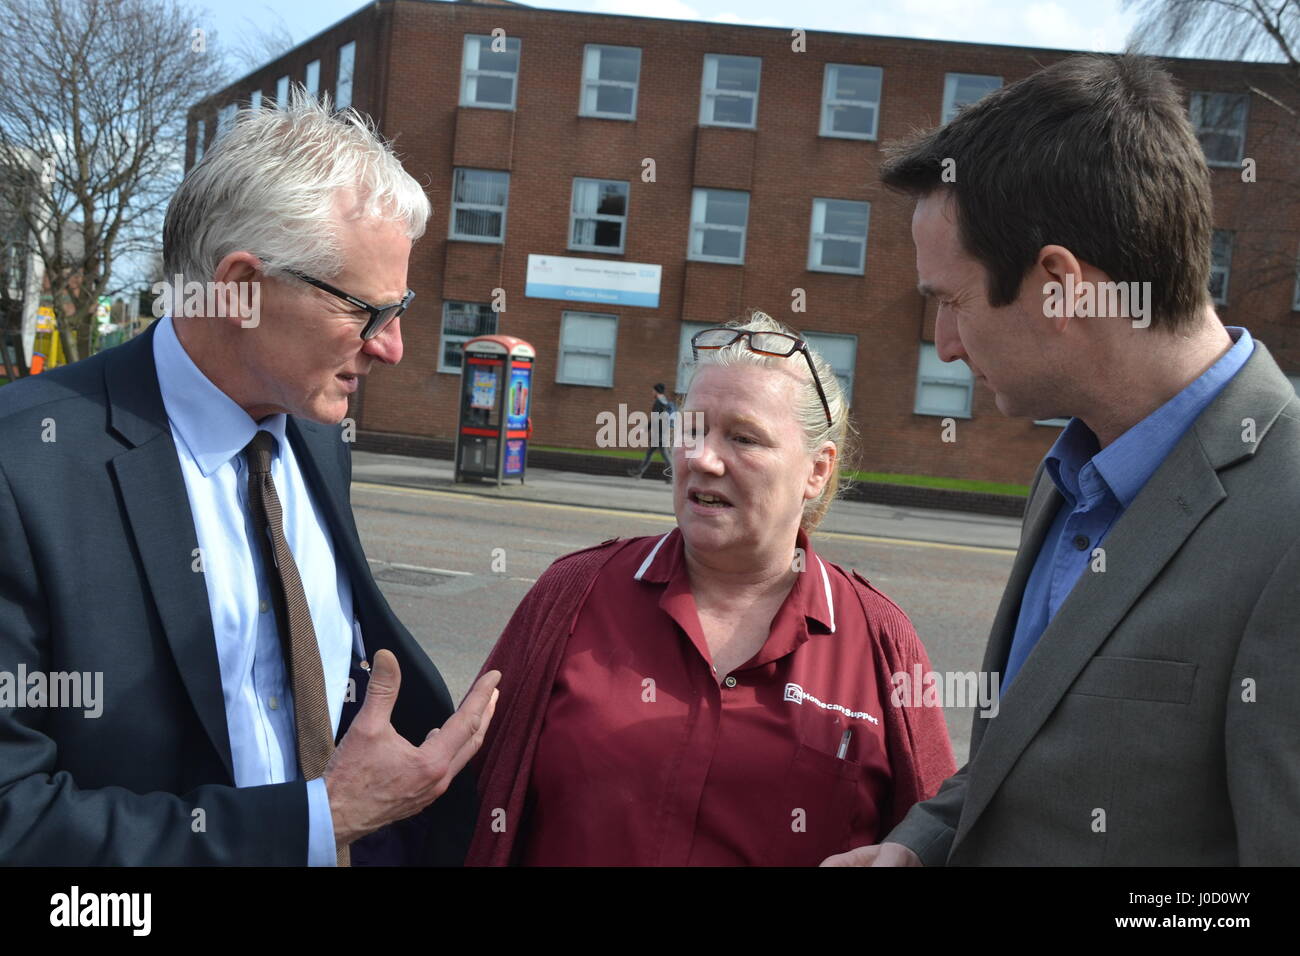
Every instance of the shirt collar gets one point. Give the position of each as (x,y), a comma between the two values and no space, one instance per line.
(1125,465)
(209,423)
(811,592)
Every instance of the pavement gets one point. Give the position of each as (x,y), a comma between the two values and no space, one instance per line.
(653,496)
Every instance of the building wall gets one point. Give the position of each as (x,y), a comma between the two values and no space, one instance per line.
(409,73)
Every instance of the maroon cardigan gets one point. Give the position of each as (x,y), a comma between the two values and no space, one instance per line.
(531,648)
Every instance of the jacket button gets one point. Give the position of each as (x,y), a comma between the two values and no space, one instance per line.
(730,681)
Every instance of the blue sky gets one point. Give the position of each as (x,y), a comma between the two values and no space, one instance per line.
(1064,24)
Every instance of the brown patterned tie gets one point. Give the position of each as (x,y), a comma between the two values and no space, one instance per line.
(310,709)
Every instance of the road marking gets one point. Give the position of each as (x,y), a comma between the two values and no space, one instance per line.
(671,519)
(416,567)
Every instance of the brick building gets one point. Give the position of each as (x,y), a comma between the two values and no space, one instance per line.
(739,163)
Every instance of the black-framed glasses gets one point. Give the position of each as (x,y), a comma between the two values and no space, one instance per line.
(764,343)
(380,315)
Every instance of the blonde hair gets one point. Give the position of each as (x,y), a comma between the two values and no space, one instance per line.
(808,409)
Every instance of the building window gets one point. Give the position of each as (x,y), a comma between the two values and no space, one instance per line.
(282,92)
(200,138)
(1220,123)
(587,349)
(226,117)
(685,359)
(963,89)
(255,100)
(488,76)
(851,101)
(730,92)
(462,321)
(1295,300)
(610,75)
(478,205)
(1220,265)
(718,220)
(313,79)
(838,242)
(942,388)
(841,352)
(347,65)
(598,216)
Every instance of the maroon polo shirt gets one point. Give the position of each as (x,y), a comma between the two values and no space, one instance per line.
(649,757)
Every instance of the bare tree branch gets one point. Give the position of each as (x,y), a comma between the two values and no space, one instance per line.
(93,131)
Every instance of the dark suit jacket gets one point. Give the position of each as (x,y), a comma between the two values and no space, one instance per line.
(1157,721)
(97,574)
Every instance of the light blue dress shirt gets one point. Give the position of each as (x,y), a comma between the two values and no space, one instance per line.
(1098,486)
(210,433)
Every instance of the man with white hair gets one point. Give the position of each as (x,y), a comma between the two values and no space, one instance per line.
(177,531)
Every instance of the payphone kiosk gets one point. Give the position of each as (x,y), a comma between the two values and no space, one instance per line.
(495,399)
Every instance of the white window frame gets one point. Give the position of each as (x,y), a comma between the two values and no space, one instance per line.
(685,360)
(709,94)
(456,205)
(700,205)
(255,100)
(478,41)
(611,351)
(960,375)
(282,92)
(444,336)
(1224,268)
(346,74)
(226,117)
(311,79)
(950,81)
(1195,111)
(591,81)
(200,134)
(843,375)
(598,216)
(830,102)
(814,236)
(1295,296)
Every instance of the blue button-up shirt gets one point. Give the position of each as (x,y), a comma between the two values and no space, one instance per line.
(1098,486)
(210,433)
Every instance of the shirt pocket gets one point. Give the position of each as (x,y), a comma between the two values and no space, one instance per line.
(813,818)
(1135,678)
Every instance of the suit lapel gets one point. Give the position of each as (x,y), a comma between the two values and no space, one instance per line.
(1044,501)
(149,479)
(1177,498)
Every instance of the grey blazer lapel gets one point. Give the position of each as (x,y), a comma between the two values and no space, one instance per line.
(1176,499)
(157,508)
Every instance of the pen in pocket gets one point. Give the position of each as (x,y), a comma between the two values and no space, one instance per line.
(844,744)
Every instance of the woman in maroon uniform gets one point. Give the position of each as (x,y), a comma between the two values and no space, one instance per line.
(718,694)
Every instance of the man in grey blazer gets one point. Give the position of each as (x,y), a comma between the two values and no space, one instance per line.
(1148,642)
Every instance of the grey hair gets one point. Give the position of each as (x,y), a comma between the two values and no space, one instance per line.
(269,185)
(808,408)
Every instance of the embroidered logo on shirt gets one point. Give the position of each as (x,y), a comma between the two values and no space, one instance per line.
(795,693)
